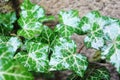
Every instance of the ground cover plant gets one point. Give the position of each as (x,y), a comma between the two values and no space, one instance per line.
(34,47)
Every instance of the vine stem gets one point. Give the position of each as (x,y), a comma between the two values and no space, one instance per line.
(82,46)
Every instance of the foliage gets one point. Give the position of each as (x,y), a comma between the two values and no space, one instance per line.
(94,72)
(38,48)
(103,33)
(6,22)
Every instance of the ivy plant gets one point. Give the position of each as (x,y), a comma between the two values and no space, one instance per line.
(94,72)
(103,34)
(36,48)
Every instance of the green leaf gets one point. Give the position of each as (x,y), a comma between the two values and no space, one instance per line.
(111,51)
(30,10)
(6,22)
(94,38)
(92,73)
(31,18)
(4,39)
(11,70)
(69,18)
(8,48)
(93,24)
(36,57)
(88,20)
(31,27)
(100,73)
(15,43)
(47,18)
(64,30)
(69,21)
(12,43)
(6,53)
(47,35)
(64,57)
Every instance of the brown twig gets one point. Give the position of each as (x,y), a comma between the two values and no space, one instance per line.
(82,46)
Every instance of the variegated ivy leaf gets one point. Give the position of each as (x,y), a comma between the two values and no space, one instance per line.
(11,70)
(8,69)
(30,10)
(47,35)
(12,44)
(64,57)
(36,57)
(100,73)
(8,48)
(69,18)
(6,22)
(111,51)
(88,20)
(6,53)
(31,19)
(31,27)
(92,73)
(69,21)
(64,30)
(95,39)
(93,24)
(15,43)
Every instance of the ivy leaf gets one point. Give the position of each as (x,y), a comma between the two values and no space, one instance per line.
(47,35)
(111,51)
(11,70)
(31,19)
(30,27)
(6,22)
(64,30)
(15,43)
(95,39)
(69,18)
(69,21)
(62,46)
(64,57)
(93,24)
(94,72)
(30,10)
(6,53)
(8,48)
(12,43)
(88,20)
(36,57)
(97,73)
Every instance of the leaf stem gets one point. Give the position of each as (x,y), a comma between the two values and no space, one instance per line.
(82,46)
